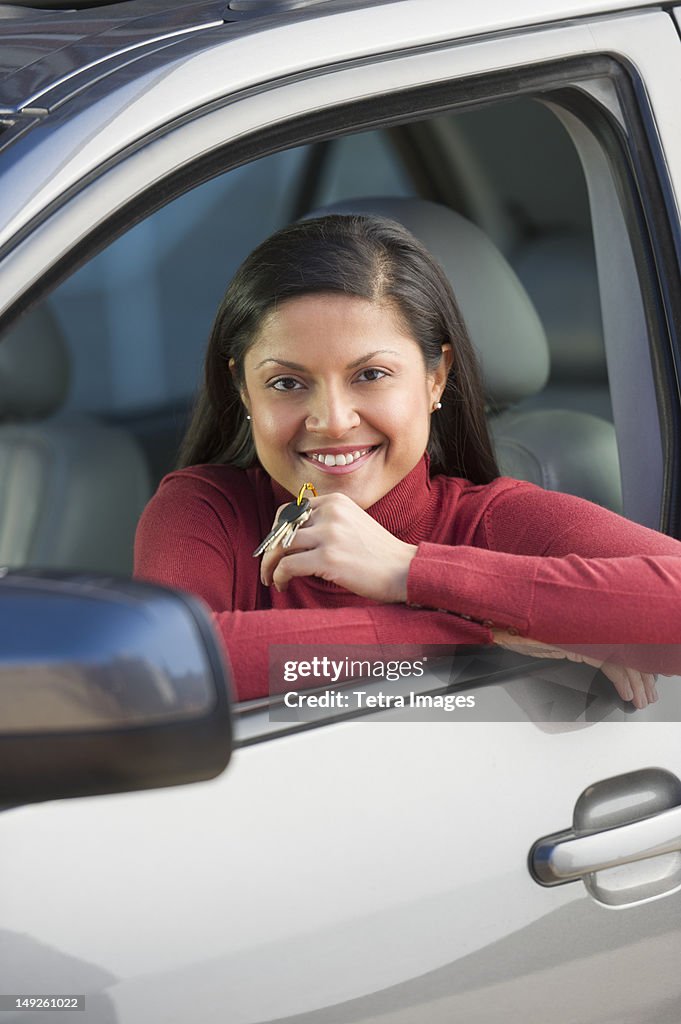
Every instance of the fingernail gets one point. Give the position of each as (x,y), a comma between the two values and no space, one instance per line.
(628,695)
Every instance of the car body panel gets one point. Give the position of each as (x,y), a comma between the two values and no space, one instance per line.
(265,898)
(57,45)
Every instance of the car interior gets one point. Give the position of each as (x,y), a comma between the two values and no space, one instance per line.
(97,382)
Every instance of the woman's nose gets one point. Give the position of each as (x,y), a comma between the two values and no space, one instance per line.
(332,414)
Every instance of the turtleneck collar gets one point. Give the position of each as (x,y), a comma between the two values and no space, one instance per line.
(408,511)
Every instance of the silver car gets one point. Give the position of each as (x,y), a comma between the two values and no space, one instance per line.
(515,856)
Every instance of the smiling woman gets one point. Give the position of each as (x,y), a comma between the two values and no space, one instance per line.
(363,403)
(339,357)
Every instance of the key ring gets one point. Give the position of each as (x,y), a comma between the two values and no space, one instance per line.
(301,492)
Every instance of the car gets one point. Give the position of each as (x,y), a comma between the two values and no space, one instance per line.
(504,845)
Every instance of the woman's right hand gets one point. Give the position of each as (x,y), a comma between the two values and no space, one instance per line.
(341,543)
(638,687)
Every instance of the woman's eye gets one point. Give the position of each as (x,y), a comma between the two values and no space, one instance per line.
(286,384)
(372,374)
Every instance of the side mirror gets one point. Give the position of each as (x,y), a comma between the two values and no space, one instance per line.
(106,686)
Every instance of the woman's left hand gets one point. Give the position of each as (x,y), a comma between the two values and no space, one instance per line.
(344,545)
(631,685)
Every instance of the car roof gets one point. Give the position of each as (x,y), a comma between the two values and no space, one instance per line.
(42,48)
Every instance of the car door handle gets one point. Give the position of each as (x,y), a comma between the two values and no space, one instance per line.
(566,857)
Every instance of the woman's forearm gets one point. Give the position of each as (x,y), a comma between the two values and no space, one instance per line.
(627,610)
(250,637)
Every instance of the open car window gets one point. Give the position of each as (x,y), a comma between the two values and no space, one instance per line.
(132,323)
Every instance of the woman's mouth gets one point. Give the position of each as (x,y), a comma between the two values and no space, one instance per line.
(340,461)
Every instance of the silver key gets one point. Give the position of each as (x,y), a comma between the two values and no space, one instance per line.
(284,530)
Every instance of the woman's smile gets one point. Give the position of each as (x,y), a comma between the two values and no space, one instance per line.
(337,390)
(340,460)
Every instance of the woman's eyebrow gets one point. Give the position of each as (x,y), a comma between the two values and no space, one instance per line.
(371,355)
(350,366)
(281,362)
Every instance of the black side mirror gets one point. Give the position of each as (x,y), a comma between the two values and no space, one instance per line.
(106,686)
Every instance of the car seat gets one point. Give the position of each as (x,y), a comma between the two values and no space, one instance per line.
(531,199)
(562,450)
(72,488)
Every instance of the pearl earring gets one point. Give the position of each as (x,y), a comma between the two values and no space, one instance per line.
(436,406)
(248,416)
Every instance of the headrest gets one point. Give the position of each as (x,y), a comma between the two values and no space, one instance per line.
(502,322)
(34,367)
(560,274)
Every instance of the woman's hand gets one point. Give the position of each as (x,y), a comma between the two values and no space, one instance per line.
(638,687)
(344,545)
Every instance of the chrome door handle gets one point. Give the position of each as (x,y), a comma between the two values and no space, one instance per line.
(625,840)
(566,857)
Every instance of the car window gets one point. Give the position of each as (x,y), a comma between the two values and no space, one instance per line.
(153,293)
(521,179)
(136,317)
(360,165)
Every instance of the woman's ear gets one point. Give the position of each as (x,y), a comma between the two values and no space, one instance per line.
(441,373)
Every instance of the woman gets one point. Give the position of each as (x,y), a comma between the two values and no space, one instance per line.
(339,357)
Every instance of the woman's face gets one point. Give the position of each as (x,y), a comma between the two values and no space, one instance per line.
(339,395)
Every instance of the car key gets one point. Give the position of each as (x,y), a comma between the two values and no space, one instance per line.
(284,530)
(287,537)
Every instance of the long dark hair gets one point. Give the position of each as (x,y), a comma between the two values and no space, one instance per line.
(369,257)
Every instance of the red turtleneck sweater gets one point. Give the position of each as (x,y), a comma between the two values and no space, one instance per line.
(509,554)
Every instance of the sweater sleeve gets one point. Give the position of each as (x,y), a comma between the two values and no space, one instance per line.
(564,571)
(188,538)
(387,628)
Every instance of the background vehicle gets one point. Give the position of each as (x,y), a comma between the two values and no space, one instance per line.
(374,867)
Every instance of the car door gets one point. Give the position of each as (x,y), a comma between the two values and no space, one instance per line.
(373,862)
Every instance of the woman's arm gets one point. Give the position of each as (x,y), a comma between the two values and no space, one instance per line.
(190,537)
(541,564)
(631,684)
(563,571)
(392,631)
